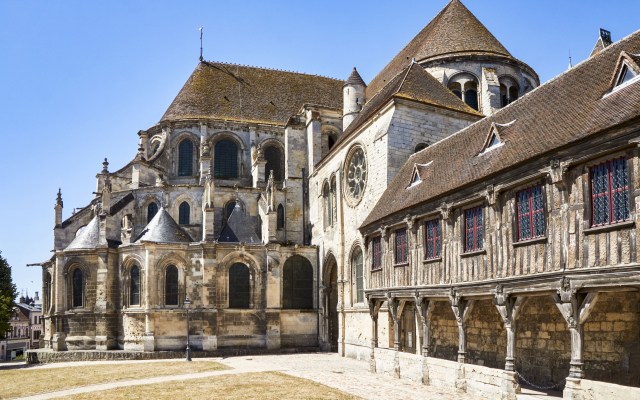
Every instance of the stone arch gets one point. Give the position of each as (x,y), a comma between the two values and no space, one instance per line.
(69,269)
(130,261)
(226,209)
(194,204)
(214,139)
(161,139)
(254,270)
(161,266)
(297,273)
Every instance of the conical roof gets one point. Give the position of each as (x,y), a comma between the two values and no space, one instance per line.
(163,229)
(238,228)
(454,30)
(355,79)
(89,238)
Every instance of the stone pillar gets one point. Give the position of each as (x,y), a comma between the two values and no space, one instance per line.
(374,307)
(509,309)
(257,170)
(425,308)
(395,309)
(462,310)
(148,340)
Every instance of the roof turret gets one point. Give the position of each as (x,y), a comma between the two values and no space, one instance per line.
(163,229)
(89,237)
(355,79)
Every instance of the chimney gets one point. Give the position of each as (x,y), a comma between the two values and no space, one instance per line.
(604,41)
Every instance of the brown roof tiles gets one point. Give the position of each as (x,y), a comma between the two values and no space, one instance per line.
(566,109)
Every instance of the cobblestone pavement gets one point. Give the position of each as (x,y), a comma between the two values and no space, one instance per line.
(350,376)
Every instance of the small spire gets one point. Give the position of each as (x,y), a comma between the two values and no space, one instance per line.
(59,199)
(570,64)
(200,43)
(105,164)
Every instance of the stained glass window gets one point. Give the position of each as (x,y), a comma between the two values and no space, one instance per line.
(239,286)
(356,174)
(356,264)
(377,253)
(432,239)
(610,192)
(401,246)
(280,219)
(297,283)
(225,164)
(171,286)
(530,213)
(78,286)
(273,155)
(135,286)
(473,229)
(152,210)
(184,212)
(185,158)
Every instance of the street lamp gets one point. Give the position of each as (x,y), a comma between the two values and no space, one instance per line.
(186,305)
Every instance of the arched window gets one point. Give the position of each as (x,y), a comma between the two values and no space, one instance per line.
(152,210)
(332,141)
(239,286)
(503,96)
(155,149)
(184,213)
(171,286)
(328,209)
(420,147)
(185,158)
(513,94)
(297,283)
(135,286)
(46,298)
(456,89)
(78,286)
(225,164)
(280,219)
(273,155)
(471,94)
(229,209)
(356,265)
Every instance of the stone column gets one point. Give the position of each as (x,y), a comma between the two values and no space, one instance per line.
(509,309)
(425,308)
(374,307)
(148,341)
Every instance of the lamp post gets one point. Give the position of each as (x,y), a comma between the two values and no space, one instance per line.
(186,304)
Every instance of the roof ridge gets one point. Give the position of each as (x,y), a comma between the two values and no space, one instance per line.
(270,69)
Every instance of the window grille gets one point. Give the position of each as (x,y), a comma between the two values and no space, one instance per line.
(530,213)
(610,192)
(184,213)
(356,264)
(171,286)
(273,155)
(239,286)
(473,228)
(432,239)
(401,246)
(225,165)
(152,210)
(280,223)
(185,158)
(297,283)
(77,288)
(377,253)
(135,286)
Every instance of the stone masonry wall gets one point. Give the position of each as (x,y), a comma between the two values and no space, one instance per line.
(444,332)
(486,336)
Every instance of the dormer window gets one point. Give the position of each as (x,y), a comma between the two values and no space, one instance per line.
(627,72)
(493,142)
(415,177)
(626,75)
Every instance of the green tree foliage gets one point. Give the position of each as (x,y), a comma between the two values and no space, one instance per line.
(8,293)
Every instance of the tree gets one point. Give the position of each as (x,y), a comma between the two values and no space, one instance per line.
(8,293)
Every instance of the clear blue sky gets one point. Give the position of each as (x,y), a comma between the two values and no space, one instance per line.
(78,79)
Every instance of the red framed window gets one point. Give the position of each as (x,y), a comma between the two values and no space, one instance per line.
(473,229)
(401,246)
(530,213)
(432,239)
(609,192)
(377,253)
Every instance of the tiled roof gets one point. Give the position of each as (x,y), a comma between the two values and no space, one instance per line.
(238,228)
(413,83)
(163,229)
(566,109)
(89,238)
(355,79)
(454,30)
(251,94)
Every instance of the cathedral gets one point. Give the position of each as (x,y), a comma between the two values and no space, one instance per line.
(409,222)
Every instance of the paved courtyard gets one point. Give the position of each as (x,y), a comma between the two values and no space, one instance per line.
(344,374)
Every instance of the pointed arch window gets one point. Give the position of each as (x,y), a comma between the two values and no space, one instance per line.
(297,283)
(78,288)
(273,155)
(356,265)
(239,286)
(185,158)
(171,286)
(229,209)
(225,164)
(184,213)
(135,286)
(280,219)
(328,205)
(152,210)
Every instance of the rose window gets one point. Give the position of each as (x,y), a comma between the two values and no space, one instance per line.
(357,174)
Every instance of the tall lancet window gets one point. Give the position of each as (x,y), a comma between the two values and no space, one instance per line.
(135,286)
(185,158)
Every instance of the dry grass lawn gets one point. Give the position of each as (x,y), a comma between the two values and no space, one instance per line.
(263,385)
(29,381)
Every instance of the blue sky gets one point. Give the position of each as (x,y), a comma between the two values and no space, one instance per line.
(78,79)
